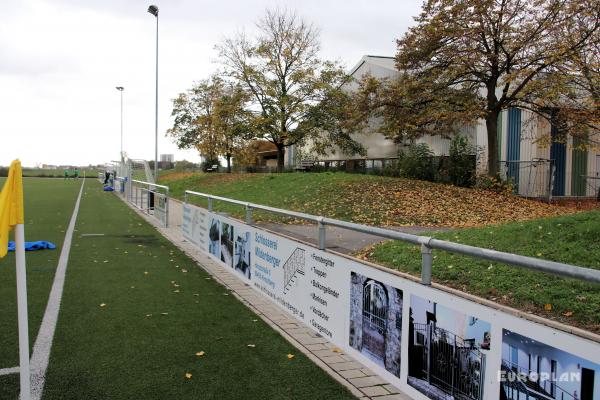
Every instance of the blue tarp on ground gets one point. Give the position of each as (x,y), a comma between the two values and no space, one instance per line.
(108,188)
(32,246)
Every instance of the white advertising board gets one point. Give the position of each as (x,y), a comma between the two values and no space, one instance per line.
(194,226)
(429,342)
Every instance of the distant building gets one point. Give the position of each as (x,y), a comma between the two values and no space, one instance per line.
(167,158)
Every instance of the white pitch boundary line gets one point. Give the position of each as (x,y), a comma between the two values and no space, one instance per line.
(9,371)
(43,342)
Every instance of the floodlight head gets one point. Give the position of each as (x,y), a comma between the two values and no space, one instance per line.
(153,10)
(120,88)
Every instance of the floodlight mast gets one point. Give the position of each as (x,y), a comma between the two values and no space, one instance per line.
(154,11)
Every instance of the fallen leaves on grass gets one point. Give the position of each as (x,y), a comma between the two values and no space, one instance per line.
(398,201)
(290,356)
(252,345)
(188,375)
(103,305)
(200,353)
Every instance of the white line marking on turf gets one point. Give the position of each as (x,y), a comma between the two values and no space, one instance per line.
(43,342)
(9,371)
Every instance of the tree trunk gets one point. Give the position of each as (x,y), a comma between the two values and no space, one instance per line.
(280,156)
(228,163)
(491,124)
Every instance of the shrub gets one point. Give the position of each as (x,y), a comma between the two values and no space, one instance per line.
(208,163)
(461,162)
(416,162)
(495,184)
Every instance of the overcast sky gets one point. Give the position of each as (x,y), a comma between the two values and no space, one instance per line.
(60,61)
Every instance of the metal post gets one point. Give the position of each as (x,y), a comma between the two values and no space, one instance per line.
(210,205)
(321,234)
(426,264)
(156,110)
(121,155)
(167,209)
(248,214)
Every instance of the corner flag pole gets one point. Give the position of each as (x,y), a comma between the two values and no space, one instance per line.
(24,370)
(12,216)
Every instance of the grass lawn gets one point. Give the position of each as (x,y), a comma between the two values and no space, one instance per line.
(48,207)
(364,199)
(159,310)
(571,239)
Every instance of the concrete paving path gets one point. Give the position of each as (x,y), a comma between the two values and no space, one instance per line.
(360,380)
(337,239)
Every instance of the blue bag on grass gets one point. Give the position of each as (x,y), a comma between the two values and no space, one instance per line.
(32,246)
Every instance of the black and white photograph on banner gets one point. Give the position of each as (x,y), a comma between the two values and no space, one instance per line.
(214,236)
(242,252)
(227,243)
(376,321)
(447,351)
(531,369)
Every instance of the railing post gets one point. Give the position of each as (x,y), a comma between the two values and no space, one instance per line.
(248,214)
(426,264)
(210,204)
(321,234)
(167,209)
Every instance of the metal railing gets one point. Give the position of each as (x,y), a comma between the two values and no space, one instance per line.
(151,198)
(428,244)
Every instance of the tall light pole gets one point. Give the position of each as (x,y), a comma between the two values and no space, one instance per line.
(120,89)
(154,11)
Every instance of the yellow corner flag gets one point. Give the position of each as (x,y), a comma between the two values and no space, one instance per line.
(11,204)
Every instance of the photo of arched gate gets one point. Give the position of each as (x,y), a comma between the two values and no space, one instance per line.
(374,326)
(449,362)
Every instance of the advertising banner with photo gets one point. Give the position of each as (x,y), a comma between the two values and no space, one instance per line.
(429,342)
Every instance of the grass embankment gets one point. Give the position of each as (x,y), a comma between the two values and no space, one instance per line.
(159,310)
(364,199)
(571,239)
(48,207)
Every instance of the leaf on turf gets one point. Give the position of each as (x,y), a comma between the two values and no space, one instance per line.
(548,307)
(145,272)
(188,375)
(290,356)
(148,315)
(103,305)
(200,353)
(252,345)
(176,291)
(184,270)
(164,313)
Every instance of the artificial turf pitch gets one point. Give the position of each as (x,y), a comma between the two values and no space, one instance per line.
(155,318)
